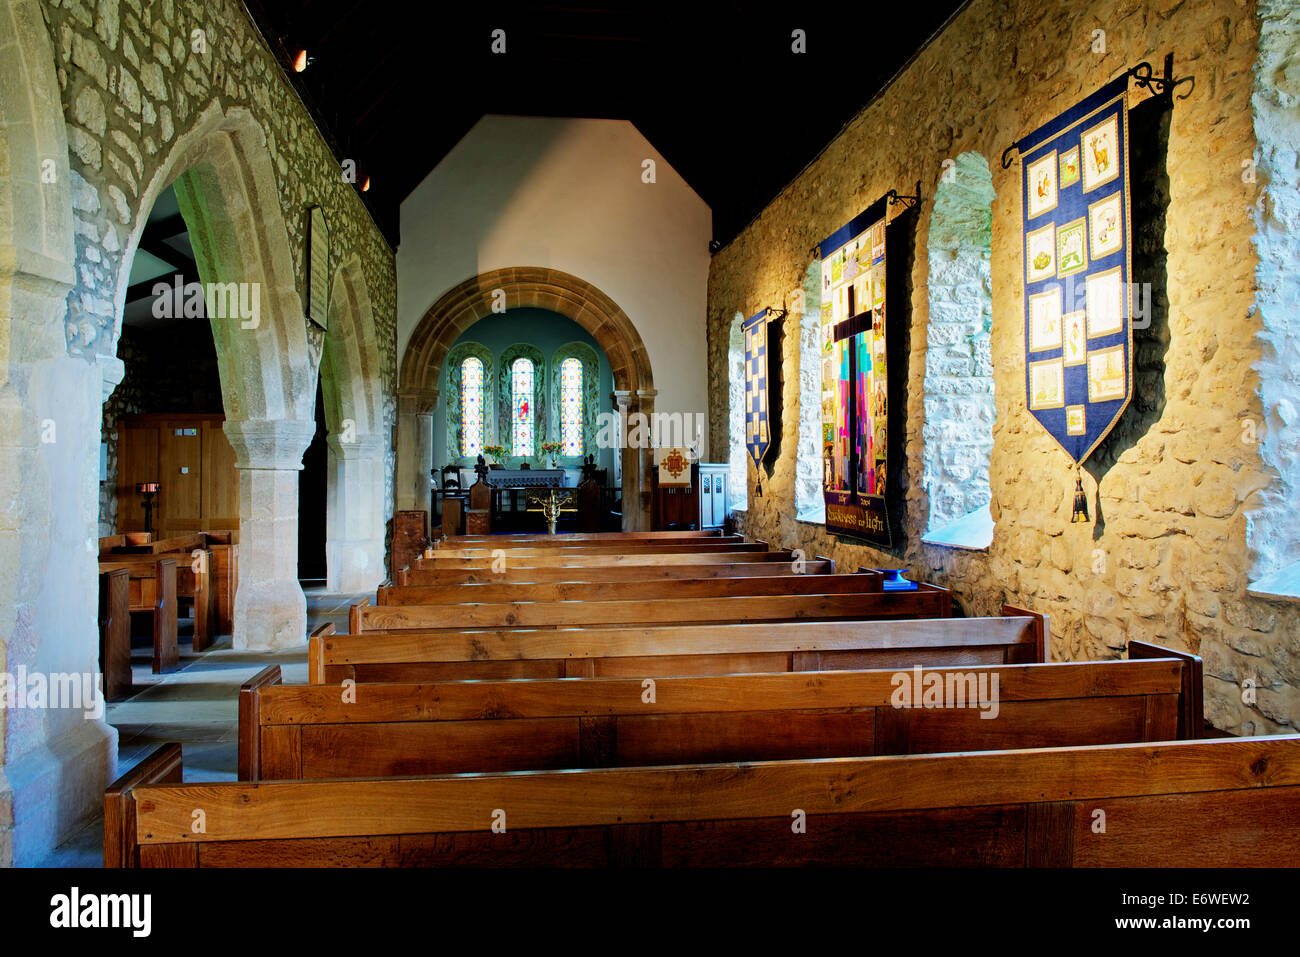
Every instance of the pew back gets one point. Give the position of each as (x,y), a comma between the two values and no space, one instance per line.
(312,731)
(1234,802)
(927,601)
(407,577)
(654,650)
(628,591)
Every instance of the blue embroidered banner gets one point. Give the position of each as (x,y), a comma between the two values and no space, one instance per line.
(1078,335)
(758,438)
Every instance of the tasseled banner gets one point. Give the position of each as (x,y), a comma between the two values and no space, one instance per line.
(1080,500)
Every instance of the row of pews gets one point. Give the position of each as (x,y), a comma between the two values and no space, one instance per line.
(638,700)
(141,574)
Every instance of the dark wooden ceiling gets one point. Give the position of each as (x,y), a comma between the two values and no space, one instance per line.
(713,86)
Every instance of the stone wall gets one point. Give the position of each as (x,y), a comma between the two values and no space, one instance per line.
(136,77)
(1175,491)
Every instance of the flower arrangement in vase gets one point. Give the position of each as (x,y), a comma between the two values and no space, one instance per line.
(495,452)
(551,450)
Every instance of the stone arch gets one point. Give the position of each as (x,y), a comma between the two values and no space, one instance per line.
(351,386)
(516,288)
(227,191)
(737,454)
(957,434)
(54,764)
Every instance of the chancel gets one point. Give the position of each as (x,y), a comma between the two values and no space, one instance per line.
(349,438)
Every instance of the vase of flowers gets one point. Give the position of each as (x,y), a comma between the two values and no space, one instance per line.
(551,450)
(494,452)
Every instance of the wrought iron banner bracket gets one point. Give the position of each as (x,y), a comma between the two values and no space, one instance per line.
(908,201)
(1143,77)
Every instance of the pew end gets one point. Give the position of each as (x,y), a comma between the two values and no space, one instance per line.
(830,563)
(1191,723)
(354,616)
(1042,630)
(121,848)
(316,653)
(250,720)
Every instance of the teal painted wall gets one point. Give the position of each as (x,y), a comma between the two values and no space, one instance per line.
(545,330)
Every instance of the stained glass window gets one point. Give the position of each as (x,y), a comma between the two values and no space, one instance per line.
(521,407)
(571,406)
(471,406)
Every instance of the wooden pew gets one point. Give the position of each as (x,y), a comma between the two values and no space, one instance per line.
(223,570)
(310,731)
(1227,802)
(389,594)
(695,649)
(153,589)
(576,538)
(193,582)
(567,572)
(1191,722)
(115,633)
(927,601)
(444,556)
(558,558)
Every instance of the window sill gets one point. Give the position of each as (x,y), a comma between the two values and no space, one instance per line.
(972,533)
(1283,585)
(811,518)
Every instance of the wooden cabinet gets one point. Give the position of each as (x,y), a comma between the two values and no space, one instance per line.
(191,459)
(702,504)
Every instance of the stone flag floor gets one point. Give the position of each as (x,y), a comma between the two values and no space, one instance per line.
(198,706)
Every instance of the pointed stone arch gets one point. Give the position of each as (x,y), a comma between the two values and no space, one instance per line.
(352,385)
(226,188)
(516,288)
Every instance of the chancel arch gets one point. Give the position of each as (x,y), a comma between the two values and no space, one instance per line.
(457,310)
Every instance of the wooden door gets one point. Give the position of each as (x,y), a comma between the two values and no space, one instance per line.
(180,466)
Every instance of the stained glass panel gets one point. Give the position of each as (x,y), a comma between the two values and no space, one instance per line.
(571,406)
(521,407)
(471,406)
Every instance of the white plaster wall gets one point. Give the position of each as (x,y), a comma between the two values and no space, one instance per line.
(568,194)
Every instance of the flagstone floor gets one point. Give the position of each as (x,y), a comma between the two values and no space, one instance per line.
(196,705)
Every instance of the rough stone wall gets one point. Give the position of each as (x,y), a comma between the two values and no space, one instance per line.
(1167,557)
(135,75)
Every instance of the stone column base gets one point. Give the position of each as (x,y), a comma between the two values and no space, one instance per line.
(355,565)
(269,615)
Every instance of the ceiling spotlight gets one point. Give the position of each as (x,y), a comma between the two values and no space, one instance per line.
(714,245)
(301,60)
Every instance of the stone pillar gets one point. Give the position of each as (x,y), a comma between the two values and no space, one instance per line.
(415,410)
(624,402)
(354,536)
(645,459)
(270,608)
